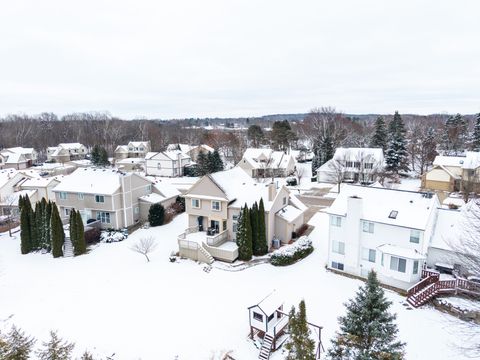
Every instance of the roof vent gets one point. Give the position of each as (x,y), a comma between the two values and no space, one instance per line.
(393,214)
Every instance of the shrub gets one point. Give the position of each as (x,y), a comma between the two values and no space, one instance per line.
(290,254)
(313,179)
(291,181)
(180,204)
(156,215)
(92,236)
(109,236)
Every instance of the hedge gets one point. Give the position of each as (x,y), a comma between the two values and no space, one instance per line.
(290,254)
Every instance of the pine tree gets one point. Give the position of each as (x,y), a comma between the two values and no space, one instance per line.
(81,247)
(56,348)
(95,155)
(210,163)
(368,330)
(20,202)
(202,164)
(47,241)
(379,138)
(244,236)
(396,155)
(156,215)
(455,135)
(25,228)
(217,163)
(300,345)
(72,222)
(475,144)
(326,149)
(254,226)
(58,235)
(16,345)
(262,248)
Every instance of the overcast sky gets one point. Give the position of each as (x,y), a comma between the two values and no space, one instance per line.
(198,58)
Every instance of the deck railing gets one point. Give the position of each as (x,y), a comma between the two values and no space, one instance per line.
(217,239)
(426,281)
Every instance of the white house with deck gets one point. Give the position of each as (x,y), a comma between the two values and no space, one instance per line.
(381,229)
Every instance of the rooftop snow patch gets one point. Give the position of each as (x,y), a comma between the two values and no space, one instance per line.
(92,181)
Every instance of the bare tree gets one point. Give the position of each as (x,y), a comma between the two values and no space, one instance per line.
(299,173)
(10,210)
(145,246)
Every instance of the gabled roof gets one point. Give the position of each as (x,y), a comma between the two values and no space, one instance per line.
(8,174)
(15,158)
(41,181)
(20,150)
(414,208)
(139,143)
(172,155)
(70,146)
(274,159)
(122,148)
(270,303)
(92,181)
(471,160)
(357,154)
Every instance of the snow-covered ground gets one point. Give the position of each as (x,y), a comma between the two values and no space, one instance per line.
(113,301)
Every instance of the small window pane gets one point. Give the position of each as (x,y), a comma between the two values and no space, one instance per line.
(415,267)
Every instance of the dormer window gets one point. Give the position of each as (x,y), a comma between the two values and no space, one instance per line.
(393,214)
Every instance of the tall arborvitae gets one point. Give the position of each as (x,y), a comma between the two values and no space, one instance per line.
(47,241)
(244,235)
(368,329)
(299,345)
(254,226)
(58,235)
(248,237)
(475,144)
(81,247)
(396,156)
(25,228)
(262,234)
(37,241)
(72,226)
(379,138)
(20,202)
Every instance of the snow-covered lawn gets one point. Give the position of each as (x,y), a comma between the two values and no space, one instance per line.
(113,301)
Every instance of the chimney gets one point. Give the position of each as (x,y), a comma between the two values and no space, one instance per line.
(272,191)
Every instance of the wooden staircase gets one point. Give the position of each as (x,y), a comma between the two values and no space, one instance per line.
(208,257)
(266,348)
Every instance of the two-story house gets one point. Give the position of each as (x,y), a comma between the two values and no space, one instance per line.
(381,229)
(259,163)
(110,196)
(17,158)
(166,163)
(352,165)
(66,152)
(191,151)
(134,149)
(213,206)
(10,189)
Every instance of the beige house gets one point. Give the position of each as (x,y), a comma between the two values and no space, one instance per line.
(134,149)
(17,158)
(213,206)
(259,163)
(454,173)
(106,195)
(43,186)
(166,163)
(10,189)
(66,152)
(191,151)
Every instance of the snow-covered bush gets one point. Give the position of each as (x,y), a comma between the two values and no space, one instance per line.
(290,254)
(109,236)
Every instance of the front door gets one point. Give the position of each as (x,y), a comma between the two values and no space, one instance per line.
(200,223)
(215,225)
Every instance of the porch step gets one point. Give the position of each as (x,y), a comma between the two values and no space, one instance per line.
(266,348)
(205,253)
(67,248)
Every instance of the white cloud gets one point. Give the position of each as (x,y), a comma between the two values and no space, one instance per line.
(232,58)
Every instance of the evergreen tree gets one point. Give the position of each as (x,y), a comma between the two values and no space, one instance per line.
(72,222)
(33,227)
(39,220)
(323,150)
(455,135)
(262,245)
(244,236)
(300,345)
(20,202)
(81,247)
(56,348)
(368,330)
(254,226)
(156,215)
(217,163)
(47,241)
(396,155)
(58,235)
(210,164)
(248,237)
(99,156)
(379,138)
(475,145)
(16,345)
(255,135)
(202,164)
(282,135)
(103,157)
(25,228)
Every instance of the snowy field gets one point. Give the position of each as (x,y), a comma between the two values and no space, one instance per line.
(113,301)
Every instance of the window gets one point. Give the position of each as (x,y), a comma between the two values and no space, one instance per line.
(415,236)
(196,203)
(337,265)
(159,166)
(338,247)
(398,264)
(357,164)
(393,214)
(349,164)
(382,259)
(104,217)
(368,166)
(80,196)
(63,195)
(284,200)
(216,205)
(257,316)
(368,227)
(369,254)
(67,212)
(149,188)
(137,210)
(336,220)
(224,225)
(270,318)
(99,198)
(415,267)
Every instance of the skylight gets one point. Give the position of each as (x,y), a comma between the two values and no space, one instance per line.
(393,214)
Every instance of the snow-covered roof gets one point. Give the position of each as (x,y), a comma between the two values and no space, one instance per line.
(12,199)
(471,160)
(7,175)
(122,148)
(130,161)
(91,181)
(453,200)
(70,146)
(167,190)
(270,303)
(357,154)
(15,158)
(401,251)
(413,208)
(41,181)
(260,158)
(171,154)
(297,203)
(20,150)
(447,228)
(138,143)
(289,213)
(152,198)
